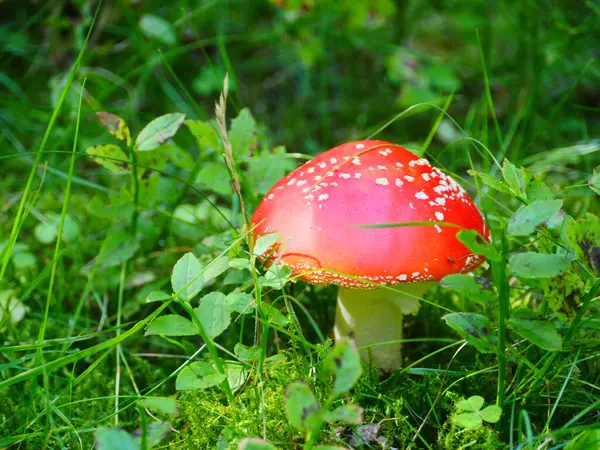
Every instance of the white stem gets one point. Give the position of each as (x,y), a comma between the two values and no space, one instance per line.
(375,316)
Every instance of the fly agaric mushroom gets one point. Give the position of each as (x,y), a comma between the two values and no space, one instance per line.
(318,210)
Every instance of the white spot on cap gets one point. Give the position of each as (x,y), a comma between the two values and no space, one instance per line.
(440,201)
(306,189)
(399,164)
(309,197)
(318,177)
(415,274)
(381,181)
(425,176)
(311,170)
(322,165)
(270,196)
(359,146)
(291,182)
(382,168)
(333,160)
(421,195)
(411,205)
(439,230)
(399,182)
(382,152)
(409,178)
(439,216)
(323,197)
(402,277)
(345,176)
(357,175)
(356,161)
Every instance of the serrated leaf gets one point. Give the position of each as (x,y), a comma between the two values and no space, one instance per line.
(111,157)
(529,217)
(255,444)
(491,414)
(198,375)
(263,243)
(348,414)
(470,421)
(273,315)
(187,279)
(214,313)
(157,296)
(163,405)
(301,406)
(236,375)
(159,131)
(215,268)
(114,439)
(171,325)
(473,403)
(475,328)
(477,244)
(277,276)
(240,302)
(243,133)
(537,265)
(538,190)
(344,363)
(115,126)
(539,332)
(158,29)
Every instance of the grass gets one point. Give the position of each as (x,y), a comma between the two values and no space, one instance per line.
(100,337)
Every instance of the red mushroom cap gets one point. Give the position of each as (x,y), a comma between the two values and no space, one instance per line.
(317,207)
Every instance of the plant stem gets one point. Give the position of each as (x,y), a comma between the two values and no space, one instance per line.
(210,345)
(499,270)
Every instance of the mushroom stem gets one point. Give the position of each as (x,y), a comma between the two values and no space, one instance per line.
(376,316)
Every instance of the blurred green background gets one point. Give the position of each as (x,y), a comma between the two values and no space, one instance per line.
(316,73)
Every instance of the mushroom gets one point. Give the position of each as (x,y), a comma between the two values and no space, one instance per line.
(320,209)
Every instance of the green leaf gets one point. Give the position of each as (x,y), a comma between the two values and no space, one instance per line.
(473,403)
(115,126)
(158,29)
(163,405)
(537,265)
(491,414)
(159,131)
(475,328)
(265,242)
(171,325)
(215,268)
(246,353)
(240,302)
(348,414)
(47,231)
(117,248)
(156,432)
(157,296)
(111,157)
(216,177)
(586,440)
(329,447)
(529,217)
(470,421)
(594,181)
(583,235)
(198,375)
(277,276)
(255,444)
(516,178)
(477,244)
(187,279)
(344,363)
(467,285)
(273,315)
(538,190)
(243,133)
(114,439)
(301,406)
(539,332)
(266,169)
(205,134)
(11,308)
(490,181)
(236,375)
(240,263)
(214,313)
